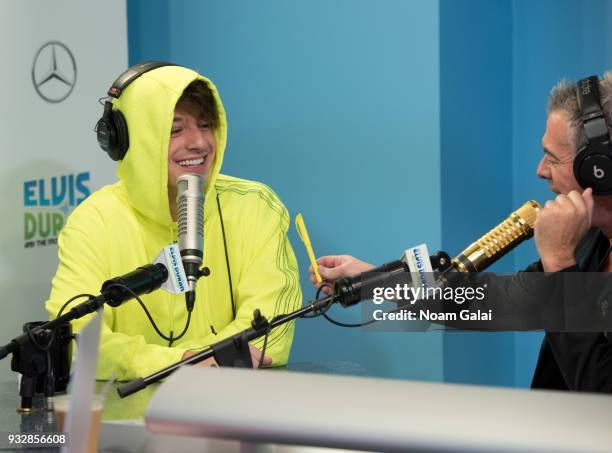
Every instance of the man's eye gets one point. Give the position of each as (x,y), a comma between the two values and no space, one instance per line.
(175,130)
(203,126)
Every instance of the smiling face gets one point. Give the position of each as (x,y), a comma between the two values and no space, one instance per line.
(192,149)
(192,146)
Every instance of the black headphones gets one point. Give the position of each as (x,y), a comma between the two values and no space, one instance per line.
(593,163)
(111,129)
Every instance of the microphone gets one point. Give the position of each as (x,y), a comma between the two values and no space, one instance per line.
(476,257)
(352,290)
(143,280)
(166,272)
(190,202)
(500,240)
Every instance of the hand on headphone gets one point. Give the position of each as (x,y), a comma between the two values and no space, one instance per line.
(560,225)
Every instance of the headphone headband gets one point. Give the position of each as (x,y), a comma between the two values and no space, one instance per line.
(133,73)
(592,116)
(593,163)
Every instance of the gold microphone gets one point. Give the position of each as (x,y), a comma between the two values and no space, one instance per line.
(499,241)
(482,253)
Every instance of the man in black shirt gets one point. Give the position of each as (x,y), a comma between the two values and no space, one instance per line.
(573,232)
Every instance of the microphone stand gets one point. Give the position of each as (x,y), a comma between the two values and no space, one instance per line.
(46,329)
(30,349)
(234,350)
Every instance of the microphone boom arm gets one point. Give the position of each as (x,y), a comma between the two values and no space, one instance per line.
(259,327)
(141,281)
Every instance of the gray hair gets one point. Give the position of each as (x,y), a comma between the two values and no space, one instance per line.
(563,97)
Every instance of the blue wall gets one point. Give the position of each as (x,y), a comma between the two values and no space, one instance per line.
(335,105)
(148,30)
(476,157)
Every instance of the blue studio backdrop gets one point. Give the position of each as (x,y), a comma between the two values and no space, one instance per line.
(388,124)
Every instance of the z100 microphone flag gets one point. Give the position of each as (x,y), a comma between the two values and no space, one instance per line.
(190,202)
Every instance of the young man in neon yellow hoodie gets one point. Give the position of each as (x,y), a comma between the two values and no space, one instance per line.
(176,124)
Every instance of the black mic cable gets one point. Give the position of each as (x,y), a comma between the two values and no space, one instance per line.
(143,280)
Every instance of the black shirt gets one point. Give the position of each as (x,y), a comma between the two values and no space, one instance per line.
(578,361)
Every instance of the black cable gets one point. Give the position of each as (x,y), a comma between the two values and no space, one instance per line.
(318,313)
(324,311)
(171,339)
(50,381)
(324,285)
(37,344)
(72,299)
(263,349)
(342,324)
(227,263)
(367,323)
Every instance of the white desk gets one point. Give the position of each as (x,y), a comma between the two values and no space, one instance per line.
(376,414)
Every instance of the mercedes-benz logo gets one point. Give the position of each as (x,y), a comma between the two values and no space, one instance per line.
(54,72)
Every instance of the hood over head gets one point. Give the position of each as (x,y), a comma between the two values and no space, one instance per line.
(148,105)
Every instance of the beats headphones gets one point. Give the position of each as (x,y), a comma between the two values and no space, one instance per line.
(593,162)
(111,129)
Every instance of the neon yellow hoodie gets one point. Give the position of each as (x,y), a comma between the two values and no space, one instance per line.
(126,224)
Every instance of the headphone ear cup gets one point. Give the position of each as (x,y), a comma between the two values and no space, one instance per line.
(578,171)
(122,138)
(112,133)
(593,168)
(103,133)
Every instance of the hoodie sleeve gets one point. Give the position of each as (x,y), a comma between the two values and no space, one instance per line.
(267,278)
(83,266)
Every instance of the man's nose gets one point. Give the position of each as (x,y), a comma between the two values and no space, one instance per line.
(195,139)
(543,170)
